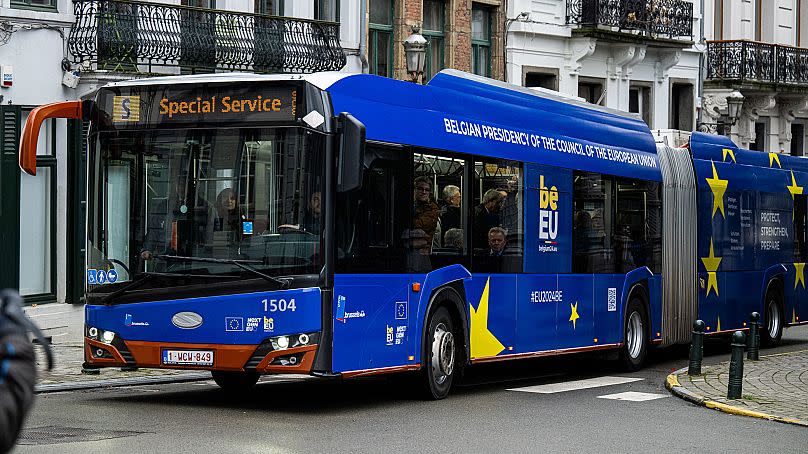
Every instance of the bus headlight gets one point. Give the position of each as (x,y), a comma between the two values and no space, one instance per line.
(303,339)
(293,341)
(107,337)
(92,332)
(282,342)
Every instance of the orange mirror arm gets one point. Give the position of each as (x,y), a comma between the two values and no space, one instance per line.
(30,132)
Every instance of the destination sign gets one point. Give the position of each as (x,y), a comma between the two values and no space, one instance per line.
(202,105)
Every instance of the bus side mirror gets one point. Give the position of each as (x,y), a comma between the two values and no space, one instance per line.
(351,160)
(30,132)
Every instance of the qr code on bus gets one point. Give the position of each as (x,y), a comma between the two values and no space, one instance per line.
(612,301)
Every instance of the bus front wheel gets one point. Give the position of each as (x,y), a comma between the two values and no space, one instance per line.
(772,330)
(234,381)
(441,355)
(635,335)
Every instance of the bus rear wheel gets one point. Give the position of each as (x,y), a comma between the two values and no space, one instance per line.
(772,330)
(234,381)
(440,354)
(635,336)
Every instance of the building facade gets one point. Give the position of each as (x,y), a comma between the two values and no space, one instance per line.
(57,50)
(760,49)
(639,56)
(461,34)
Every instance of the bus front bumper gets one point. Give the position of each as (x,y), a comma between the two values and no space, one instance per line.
(268,357)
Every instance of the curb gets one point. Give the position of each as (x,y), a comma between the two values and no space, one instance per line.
(118,382)
(672,384)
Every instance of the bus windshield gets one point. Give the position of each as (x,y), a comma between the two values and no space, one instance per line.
(204,202)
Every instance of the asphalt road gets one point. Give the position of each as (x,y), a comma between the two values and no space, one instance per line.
(384,415)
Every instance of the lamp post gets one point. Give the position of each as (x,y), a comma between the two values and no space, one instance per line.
(734,104)
(415,54)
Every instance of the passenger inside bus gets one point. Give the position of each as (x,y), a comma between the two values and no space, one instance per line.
(228,217)
(450,214)
(425,211)
(486,216)
(497,241)
(453,239)
(311,217)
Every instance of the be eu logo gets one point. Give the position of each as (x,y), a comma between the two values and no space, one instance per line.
(548,214)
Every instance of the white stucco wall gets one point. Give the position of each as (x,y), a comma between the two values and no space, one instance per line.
(541,39)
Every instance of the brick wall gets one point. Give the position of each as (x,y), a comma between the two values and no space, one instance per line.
(457,50)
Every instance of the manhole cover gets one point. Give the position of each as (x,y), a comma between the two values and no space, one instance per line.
(50,435)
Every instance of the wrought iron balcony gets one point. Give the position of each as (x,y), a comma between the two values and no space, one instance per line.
(756,62)
(671,19)
(131,36)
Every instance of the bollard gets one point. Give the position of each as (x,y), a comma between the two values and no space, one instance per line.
(754,337)
(696,348)
(736,366)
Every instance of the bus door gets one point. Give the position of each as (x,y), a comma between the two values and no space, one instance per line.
(372,297)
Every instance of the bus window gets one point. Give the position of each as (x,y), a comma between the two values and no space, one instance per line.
(373,222)
(497,217)
(438,208)
(637,227)
(592,224)
(800,237)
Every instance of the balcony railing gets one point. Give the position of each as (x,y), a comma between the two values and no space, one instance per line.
(131,36)
(751,61)
(670,19)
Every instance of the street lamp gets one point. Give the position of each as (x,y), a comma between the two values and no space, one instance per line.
(415,53)
(734,105)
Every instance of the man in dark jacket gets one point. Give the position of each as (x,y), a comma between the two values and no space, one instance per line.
(17,367)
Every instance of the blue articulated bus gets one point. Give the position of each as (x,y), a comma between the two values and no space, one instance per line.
(349,225)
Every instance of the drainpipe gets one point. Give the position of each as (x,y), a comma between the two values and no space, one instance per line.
(702,67)
(363,34)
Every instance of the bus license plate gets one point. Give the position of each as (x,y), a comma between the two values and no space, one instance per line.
(188,357)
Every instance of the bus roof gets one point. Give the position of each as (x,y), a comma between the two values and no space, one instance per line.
(710,147)
(321,80)
(465,113)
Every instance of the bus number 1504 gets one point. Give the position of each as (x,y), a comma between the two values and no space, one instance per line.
(280,305)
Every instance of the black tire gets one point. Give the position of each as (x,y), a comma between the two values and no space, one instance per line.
(234,381)
(773,319)
(635,335)
(441,355)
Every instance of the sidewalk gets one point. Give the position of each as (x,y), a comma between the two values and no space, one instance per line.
(64,325)
(774,388)
(67,376)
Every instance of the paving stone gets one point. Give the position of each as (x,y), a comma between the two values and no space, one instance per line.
(777,385)
(68,359)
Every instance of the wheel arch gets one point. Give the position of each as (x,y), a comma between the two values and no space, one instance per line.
(640,289)
(773,276)
(451,295)
(776,283)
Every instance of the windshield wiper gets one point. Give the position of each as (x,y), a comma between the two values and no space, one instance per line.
(136,282)
(142,278)
(243,264)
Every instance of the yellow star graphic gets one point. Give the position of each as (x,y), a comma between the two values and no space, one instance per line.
(728,151)
(793,188)
(711,265)
(774,157)
(719,187)
(718,325)
(483,341)
(799,275)
(574,314)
